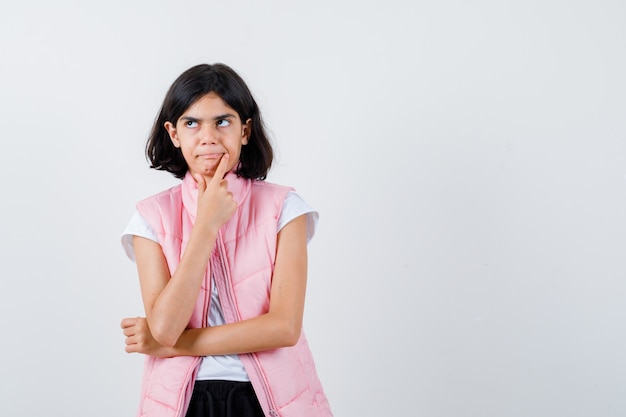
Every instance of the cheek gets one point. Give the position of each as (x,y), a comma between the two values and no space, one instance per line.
(186,146)
(236,152)
(186,151)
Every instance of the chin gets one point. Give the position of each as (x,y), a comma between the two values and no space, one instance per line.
(206,170)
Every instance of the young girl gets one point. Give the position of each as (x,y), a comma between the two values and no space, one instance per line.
(222,264)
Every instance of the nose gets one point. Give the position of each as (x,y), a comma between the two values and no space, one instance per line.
(208,134)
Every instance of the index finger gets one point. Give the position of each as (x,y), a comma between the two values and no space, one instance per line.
(221,169)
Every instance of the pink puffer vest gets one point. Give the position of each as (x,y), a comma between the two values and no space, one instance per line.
(285,379)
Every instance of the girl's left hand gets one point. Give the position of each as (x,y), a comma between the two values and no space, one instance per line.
(139,338)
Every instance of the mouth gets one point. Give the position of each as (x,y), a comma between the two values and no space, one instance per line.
(210,156)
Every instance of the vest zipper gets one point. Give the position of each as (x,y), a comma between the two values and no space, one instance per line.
(208,276)
(188,390)
(221,264)
(190,379)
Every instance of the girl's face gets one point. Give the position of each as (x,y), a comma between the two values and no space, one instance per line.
(208,129)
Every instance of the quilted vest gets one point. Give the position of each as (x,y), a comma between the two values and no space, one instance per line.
(284,380)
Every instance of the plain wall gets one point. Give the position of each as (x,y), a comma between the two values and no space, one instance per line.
(467,158)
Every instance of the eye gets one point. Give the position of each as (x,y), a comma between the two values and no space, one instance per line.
(191,123)
(223,123)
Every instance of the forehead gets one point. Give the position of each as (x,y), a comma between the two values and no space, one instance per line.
(209,105)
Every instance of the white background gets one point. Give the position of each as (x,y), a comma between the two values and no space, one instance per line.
(468,159)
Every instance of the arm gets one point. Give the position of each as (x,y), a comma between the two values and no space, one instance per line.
(169,301)
(279,327)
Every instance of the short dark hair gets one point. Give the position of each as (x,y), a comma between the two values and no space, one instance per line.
(256,157)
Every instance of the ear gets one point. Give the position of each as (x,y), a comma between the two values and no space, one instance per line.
(171,129)
(246,129)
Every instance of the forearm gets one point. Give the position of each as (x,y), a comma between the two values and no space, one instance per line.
(268,331)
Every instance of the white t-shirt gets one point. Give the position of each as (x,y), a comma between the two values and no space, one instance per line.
(223,367)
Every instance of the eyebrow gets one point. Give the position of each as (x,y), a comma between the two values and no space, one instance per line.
(220,117)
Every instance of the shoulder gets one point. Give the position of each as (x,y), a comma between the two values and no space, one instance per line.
(295,206)
(162,210)
(270,187)
(165,197)
(267,191)
(269,194)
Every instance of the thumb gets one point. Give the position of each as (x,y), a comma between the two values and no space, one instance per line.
(128,322)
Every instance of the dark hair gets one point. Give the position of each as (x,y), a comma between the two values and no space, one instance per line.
(256,157)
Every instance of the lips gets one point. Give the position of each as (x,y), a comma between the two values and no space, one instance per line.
(216,155)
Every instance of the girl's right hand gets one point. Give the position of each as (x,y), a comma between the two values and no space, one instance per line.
(215,203)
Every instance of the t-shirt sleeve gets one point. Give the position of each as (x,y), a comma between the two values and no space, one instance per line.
(137,226)
(295,206)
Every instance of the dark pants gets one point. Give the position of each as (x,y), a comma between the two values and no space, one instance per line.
(224,399)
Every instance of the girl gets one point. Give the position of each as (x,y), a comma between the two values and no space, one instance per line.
(222,264)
